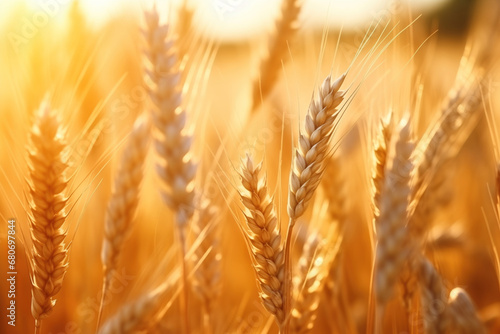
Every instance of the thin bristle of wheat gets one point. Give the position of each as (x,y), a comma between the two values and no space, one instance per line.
(138,315)
(313,269)
(380,151)
(171,137)
(393,246)
(206,257)
(48,186)
(125,196)
(277,49)
(264,237)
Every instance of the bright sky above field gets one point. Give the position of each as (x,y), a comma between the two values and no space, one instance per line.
(236,19)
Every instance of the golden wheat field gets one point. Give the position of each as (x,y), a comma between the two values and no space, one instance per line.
(234,166)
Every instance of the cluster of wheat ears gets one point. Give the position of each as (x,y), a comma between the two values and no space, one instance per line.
(302,256)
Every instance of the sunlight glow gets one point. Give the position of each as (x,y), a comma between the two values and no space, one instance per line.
(237,19)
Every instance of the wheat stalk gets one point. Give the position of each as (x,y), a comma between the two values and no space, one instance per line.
(394,246)
(309,164)
(48,186)
(172,140)
(264,237)
(271,62)
(124,197)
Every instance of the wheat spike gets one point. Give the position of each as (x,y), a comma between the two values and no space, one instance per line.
(393,246)
(207,255)
(270,64)
(309,164)
(184,28)
(441,142)
(171,138)
(140,314)
(313,147)
(264,237)
(461,314)
(380,151)
(48,186)
(313,269)
(335,191)
(433,294)
(124,197)
(442,313)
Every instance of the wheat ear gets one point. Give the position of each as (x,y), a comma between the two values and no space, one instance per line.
(206,257)
(313,269)
(124,197)
(172,140)
(140,314)
(271,62)
(335,190)
(380,151)
(437,146)
(184,28)
(264,237)
(313,147)
(433,296)
(443,314)
(48,185)
(309,163)
(461,314)
(171,137)
(393,246)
